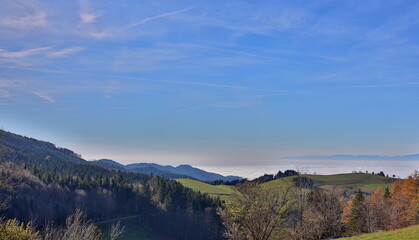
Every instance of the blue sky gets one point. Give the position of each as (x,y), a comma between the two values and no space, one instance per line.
(216,84)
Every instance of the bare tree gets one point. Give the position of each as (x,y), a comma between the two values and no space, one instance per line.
(301,194)
(257,212)
(117,231)
(78,227)
(8,182)
(376,214)
(321,218)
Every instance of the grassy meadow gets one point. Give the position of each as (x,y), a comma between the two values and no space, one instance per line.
(348,181)
(352,181)
(222,191)
(409,233)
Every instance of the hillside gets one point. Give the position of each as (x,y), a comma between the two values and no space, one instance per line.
(156,172)
(348,181)
(168,172)
(222,191)
(20,147)
(409,233)
(109,164)
(181,171)
(352,181)
(54,182)
(29,150)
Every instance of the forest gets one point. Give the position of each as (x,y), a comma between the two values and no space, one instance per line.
(40,189)
(51,193)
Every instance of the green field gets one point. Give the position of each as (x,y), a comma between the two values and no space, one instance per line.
(222,191)
(409,233)
(348,181)
(133,230)
(352,181)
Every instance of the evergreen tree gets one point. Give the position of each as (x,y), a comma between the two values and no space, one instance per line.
(356,218)
(387,193)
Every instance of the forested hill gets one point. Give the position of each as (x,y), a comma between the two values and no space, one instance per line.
(52,182)
(26,148)
(29,146)
(181,171)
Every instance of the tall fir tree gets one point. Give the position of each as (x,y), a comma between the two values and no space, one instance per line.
(356,218)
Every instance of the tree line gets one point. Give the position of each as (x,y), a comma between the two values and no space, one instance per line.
(294,211)
(50,190)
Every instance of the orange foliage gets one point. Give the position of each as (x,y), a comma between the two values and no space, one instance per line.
(405,201)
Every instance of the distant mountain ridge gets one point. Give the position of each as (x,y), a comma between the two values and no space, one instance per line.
(20,149)
(181,171)
(411,157)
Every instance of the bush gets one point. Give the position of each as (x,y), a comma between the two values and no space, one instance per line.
(12,229)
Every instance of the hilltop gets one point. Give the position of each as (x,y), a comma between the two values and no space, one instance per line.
(25,149)
(349,182)
(170,172)
(16,146)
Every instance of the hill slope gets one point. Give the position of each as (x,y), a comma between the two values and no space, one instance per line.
(348,181)
(53,182)
(222,191)
(156,172)
(12,145)
(409,233)
(181,170)
(352,181)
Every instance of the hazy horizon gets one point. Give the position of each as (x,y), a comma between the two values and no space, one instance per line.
(232,87)
(321,165)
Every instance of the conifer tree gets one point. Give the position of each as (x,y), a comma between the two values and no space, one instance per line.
(356,218)
(387,194)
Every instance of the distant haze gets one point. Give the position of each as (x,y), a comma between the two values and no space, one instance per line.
(401,169)
(241,87)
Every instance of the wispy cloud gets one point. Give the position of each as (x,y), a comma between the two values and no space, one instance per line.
(22,14)
(86,14)
(5,93)
(35,56)
(88,17)
(23,53)
(163,15)
(44,97)
(36,20)
(65,52)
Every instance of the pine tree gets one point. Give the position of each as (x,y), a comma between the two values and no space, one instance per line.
(356,218)
(387,193)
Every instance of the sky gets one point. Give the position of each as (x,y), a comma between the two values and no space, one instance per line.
(236,87)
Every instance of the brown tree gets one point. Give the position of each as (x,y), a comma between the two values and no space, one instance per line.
(322,217)
(376,214)
(404,201)
(257,212)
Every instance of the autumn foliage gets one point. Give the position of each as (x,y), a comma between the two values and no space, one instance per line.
(404,201)
(258,212)
(387,209)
